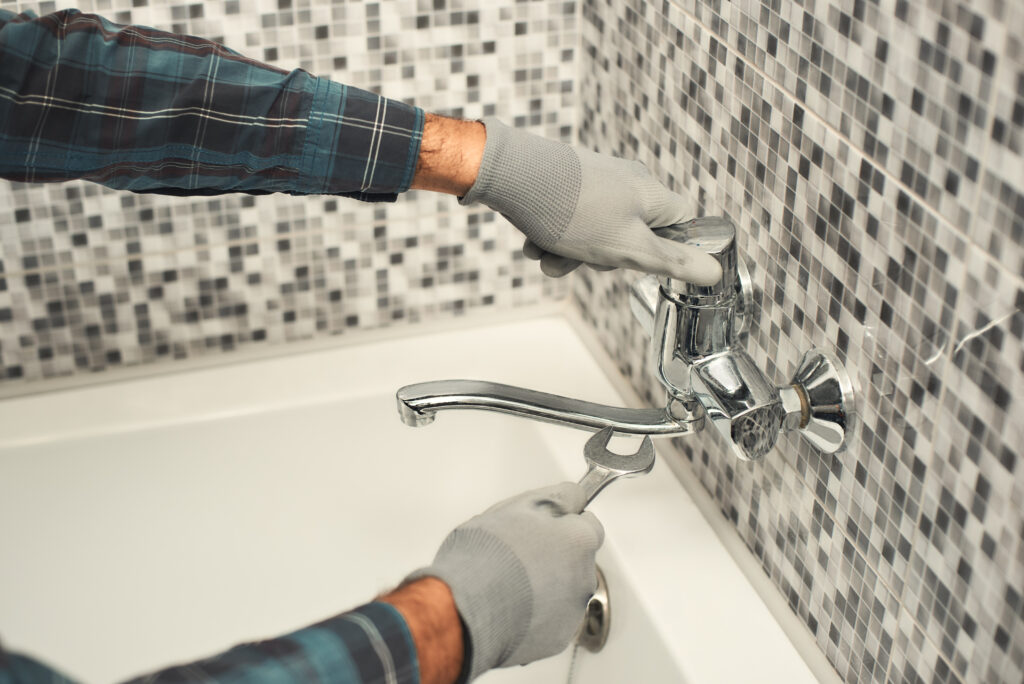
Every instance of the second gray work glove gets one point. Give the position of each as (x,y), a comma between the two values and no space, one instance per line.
(574,205)
(521,574)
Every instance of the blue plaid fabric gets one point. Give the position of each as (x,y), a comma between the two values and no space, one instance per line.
(138,109)
(369,645)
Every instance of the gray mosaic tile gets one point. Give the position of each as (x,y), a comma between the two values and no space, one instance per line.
(916,659)
(908,83)
(95,315)
(969,535)
(999,227)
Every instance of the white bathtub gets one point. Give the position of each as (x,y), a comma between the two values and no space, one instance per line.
(157,520)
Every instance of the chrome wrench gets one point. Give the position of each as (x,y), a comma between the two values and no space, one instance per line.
(603,465)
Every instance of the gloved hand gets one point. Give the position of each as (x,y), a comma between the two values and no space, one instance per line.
(521,574)
(575,205)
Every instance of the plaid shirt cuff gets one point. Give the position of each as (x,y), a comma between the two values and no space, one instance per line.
(357,138)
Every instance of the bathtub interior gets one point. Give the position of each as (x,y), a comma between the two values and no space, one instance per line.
(160,520)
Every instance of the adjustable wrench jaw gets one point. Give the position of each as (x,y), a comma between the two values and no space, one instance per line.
(605,466)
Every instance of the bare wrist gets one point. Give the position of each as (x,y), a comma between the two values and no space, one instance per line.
(429,611)
(450,155)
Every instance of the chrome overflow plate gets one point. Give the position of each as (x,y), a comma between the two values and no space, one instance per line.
(597,621)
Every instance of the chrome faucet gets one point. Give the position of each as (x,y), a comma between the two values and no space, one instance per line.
(696,348)
(697,334)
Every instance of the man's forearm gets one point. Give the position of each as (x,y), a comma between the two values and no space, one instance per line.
(450,154)
(429,611)
(139,109)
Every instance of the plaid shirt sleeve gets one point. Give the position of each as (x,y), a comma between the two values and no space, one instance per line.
(138,109)
(369,645)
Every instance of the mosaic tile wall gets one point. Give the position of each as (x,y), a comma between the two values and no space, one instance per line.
(92,279)
(870,153)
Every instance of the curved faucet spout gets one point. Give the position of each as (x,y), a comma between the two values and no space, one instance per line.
(418,405)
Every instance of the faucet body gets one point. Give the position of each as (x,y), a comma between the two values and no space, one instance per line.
(696,344)
(697,352)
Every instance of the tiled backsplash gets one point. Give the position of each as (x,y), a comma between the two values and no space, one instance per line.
(92,279)
(869,153)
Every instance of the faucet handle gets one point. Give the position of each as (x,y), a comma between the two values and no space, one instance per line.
(716,235)
(644,293)
(820,401)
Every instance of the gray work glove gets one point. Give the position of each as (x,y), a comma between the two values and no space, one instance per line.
(521,574)
(576,206)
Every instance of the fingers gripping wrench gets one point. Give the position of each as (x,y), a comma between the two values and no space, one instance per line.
(605,466)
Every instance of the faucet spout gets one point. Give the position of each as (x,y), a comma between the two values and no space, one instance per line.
(418,405)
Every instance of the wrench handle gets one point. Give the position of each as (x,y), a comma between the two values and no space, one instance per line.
(596,479)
